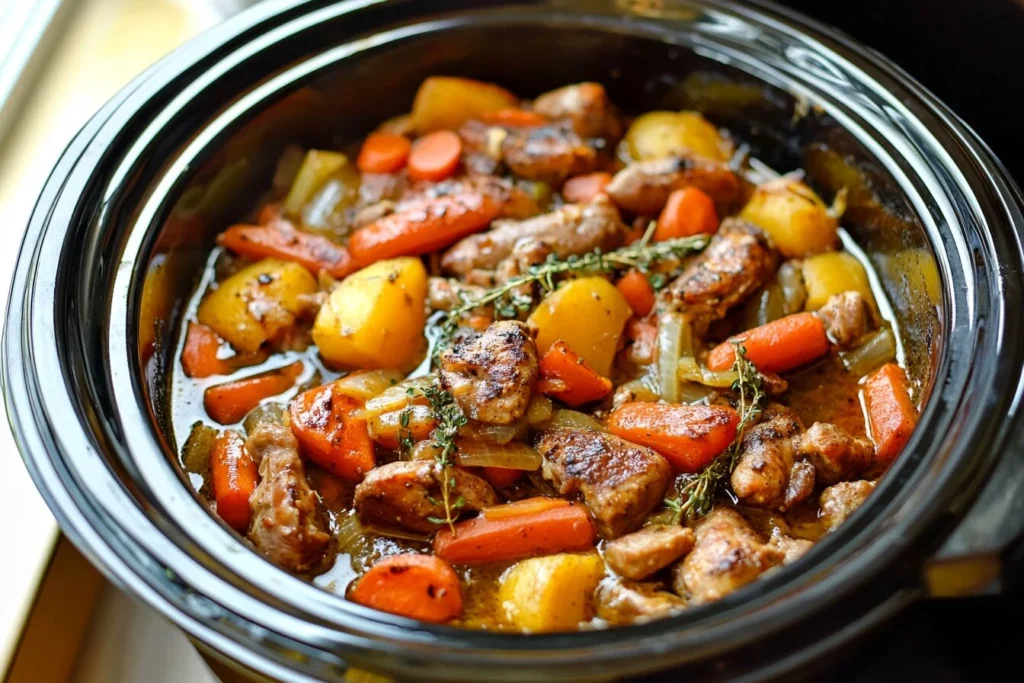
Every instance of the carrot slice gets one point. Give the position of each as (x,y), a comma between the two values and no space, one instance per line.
(233,475)
(230,402)
(777,346)
(411,585)
(199,357)
(891,413)
(488,539)
(331,433)
(527,506)
(513,118)
(424,227)
(687,212)
(583,188)
(501,476)
(636,289)
(280,239)
(383,153)
(435,156)
(568,378)
(689,436)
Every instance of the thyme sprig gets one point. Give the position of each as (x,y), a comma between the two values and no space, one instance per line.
(697,495)
(509,299)
(450,419)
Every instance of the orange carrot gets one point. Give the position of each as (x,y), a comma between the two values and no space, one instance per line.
(199,357)
(687,212)
(499,538)
(331,433)
(280,239)
(383,153)
(634,232)
(424,227)
(643,338)
(233,475)
(891,413)
(230,402)
(777,346)
(513,118)
(270,212)
(501,476)
(689,436)
(527,506)
(411,585)
(636,289)
(583,188)
(565,376)
(435,156)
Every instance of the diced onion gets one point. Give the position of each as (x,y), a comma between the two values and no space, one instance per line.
(366,384)
(791,281)
(264,412)
(397,397)
(572,419)
(511,456)
(691,371)
(644,389)
(878,350)
(195,454)
(693,392)
(540,410)
(491,433)
(675,339)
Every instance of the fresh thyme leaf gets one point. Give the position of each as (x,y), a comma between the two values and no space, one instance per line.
(435,520)
(697,495)
(658,281)
(450,419)
(509,301)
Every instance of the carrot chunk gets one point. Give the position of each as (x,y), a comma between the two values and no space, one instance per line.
(501,476)
(233,476)
(565,376)
(331,433)
(778,346)
(199,357)
(688,436)
(424,227)
(638,292)
(687,212)
(435,156)
(513,118)
(583,188)
(488,538)
(230,402)
(891,413)
(280,239)
(383,153)
(411,585)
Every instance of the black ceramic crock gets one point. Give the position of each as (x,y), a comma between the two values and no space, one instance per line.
(120,232)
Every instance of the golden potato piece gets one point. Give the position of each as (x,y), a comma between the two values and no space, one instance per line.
(660,134)
(834,273)
(553,593)
(446,102)
(793,216)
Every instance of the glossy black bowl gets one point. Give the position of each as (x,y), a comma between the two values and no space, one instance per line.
(121,230)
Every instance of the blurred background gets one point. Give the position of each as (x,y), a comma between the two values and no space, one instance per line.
(60,60)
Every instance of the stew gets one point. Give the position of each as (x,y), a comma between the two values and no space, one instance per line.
(537,365)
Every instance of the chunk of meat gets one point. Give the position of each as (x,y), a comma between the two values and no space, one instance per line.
(514,201)
(643,187)
(847,317)
(550,154)
(737,262)
(651,549)
(836,455)
(527,252)
(491,375)
(762,472)
(800,486)
(727,554)
(288,525)
(407,494)
(625,602)
(571,229)
(444,294)
(586,105)
(839,502)
(620,482)
(792,548)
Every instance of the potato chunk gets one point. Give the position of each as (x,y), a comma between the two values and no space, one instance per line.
(834,273)
(552,593)
(374,318)
(793,216)
(448,102)
(258,303)
(588,314)
(661,134)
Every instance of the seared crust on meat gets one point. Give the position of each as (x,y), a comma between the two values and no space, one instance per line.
(625,602)
(491,375)
(800,485)
(406,494)
(586,105)
(792,548)
(643,187)
(727,555)
(572,229)
(835,454)
(288,525)
(620,482)
(847,317)
(762,472)
(839,502)
(737,262)
(648,550)
(550,154)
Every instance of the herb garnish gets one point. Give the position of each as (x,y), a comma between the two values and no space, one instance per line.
(697,495)
(450,419)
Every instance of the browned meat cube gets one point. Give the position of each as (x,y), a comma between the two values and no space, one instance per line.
(644,552)
(835,454)
(762,473)
(643,187)
(625,602)
(847,317)
(586,105)
(840,501)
